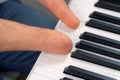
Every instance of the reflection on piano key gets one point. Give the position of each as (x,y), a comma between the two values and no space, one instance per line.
(81,73)
(100,49)
(92,57)
(105,17)
(109,4)
(65,78)
(100,39)
(103,26)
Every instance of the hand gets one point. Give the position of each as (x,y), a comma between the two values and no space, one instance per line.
(61,10)
(24,37)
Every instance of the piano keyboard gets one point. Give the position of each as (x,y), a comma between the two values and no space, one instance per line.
(96,51)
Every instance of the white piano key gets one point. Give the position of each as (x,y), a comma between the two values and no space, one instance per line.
(54,74)
(38,77)
(106,11)
(104,33)
(82,8)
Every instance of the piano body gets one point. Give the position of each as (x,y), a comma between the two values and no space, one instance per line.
(57,67)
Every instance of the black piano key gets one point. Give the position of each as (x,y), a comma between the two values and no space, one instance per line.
(105,17)
(109,4)
(103,26)
(100,39)
(65,78)
(85,74)
(92,57)
(100,49)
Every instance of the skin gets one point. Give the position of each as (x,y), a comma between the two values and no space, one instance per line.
(25,37)
(62,11)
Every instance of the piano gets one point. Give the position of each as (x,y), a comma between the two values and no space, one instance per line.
(96,51)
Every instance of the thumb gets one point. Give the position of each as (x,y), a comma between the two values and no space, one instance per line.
(62,11)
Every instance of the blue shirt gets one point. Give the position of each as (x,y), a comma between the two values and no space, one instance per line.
(1,1)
